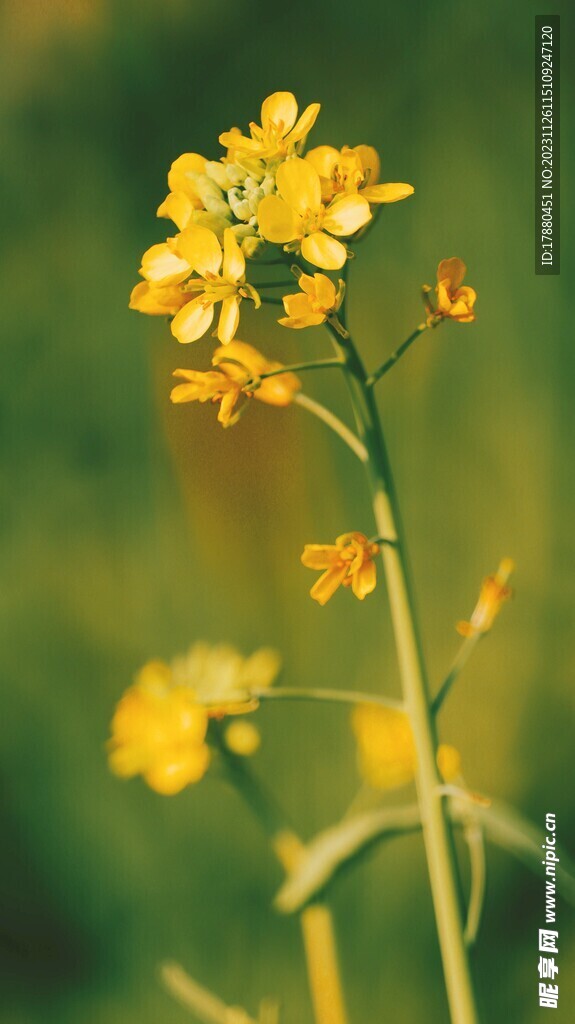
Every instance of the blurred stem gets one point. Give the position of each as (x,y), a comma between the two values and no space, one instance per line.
(436,831)
(331,696)
(209,1008)
(395,356)
(459,663)
(316,919)
(328,417)
(475,840)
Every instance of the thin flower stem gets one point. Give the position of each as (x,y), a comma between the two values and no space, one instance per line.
(316,919)
(459,663)
(347,435)
(209,1008)
(271,302)
(395,356)
(318,364)
(475,840)
(329,696)
(436,830)
(274,284)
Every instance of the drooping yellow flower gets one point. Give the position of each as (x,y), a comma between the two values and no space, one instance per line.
(221,278)
(159,732)
(157,300)
(317,299)
(386,748)
(228,382)
(494,592)
(223,680)
(280,130)
(354,171)
(297,215)
(349,562)
(453,301)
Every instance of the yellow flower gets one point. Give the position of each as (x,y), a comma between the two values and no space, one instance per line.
(242,738)
(280,131)
(297,215)
(354,171)
(386,748)
(223,680)
(453,301)
(318,298)
(349,562)
(159,731)
(157,300)
(194,198)
(227,383)
(494,592)
(221,278)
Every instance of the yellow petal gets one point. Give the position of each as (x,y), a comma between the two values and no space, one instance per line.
(162,266)
(193,320)
(279,111)
(347,215)
(324,291)
(448,762)
(175,770)
(177,206)
(298,304)
(305,123)
(454,270)
(323,251)
(443,296)
(200,247)
(320,556)
(157,300)
(234,266)
(181,175)
(298,183)
(229,319)
(324,159)
(391,192)
(297,323)
(327,584)
(235,140)
(279,390)
(364,580)
(370,163)
(277,221)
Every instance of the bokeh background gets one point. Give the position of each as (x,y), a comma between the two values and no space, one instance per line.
(130,528)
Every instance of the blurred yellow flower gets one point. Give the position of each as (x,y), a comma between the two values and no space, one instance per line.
(297,215)
(494,592)
(386,748)
(311,306)
(200,248)
(350,171)
(280,130)
(349,562)
(453,300)
(226,384)
(242,738)
(222,679)
(159,731)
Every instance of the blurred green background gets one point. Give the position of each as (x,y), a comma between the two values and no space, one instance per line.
(130,528)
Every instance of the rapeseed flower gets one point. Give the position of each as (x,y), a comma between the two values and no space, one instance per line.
(280,131)
(313,304)
(348,562)
(454,301)
(386,748)
(354,172)
(494,592)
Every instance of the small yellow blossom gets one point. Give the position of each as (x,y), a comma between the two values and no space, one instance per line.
(194,197)
(494,592)
(280,130)
(157,300)
(226,384)
(351,171)
(453,301)
(349,562)
(159,731)
(222,679)
(317,299)
(297,215)
(242,738)
(221,278)
(386,748)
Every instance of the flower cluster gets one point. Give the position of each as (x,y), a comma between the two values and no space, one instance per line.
(160,726)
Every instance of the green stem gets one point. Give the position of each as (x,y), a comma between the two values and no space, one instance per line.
(475,840)
(318,364)
(436,831)
(329,696)
(459,663)
(395,356)
(271,302)
(274,284)
(334,423)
